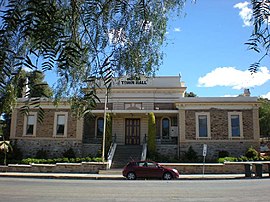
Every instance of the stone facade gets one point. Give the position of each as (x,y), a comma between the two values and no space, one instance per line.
(130,101)
(234,148)
(55,148)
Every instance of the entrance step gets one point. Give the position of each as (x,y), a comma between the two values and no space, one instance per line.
(125,154)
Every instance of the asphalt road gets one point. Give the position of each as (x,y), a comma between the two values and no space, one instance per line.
(39,190)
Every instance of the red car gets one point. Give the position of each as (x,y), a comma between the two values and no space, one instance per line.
(148,169)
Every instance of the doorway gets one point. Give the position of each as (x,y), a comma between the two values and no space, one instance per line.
(132,132)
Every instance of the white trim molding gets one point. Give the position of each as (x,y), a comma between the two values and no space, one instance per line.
(56,114)
(239,114)
(207,114)
(34,123)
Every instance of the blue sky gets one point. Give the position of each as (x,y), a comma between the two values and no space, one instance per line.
(207,46)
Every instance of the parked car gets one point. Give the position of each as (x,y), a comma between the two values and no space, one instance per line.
(148,169)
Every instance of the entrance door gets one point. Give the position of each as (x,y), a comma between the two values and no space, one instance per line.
(133,131)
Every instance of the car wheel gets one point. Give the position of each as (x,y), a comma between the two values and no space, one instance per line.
(131,176)
(167,176)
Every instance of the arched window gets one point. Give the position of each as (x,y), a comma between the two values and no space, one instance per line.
(100,122)
(165,128)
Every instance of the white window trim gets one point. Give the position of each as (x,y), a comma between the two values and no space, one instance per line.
(97,125)
(25,124)
(207,114)
(55,124)
(230,124)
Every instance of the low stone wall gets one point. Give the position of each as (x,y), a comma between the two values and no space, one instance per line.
(94,167)
(84,167)
(216,168)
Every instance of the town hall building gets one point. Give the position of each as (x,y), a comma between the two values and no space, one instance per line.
(228,124)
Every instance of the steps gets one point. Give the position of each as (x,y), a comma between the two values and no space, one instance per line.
(125,154)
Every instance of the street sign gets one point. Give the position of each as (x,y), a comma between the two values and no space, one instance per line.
(204,155)
(204,149)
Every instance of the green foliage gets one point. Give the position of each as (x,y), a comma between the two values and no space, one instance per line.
(80,40)
(229,159)
(37,86)
(58,160)
(108,138)
(69,153)
(190,155)
(260,38)
(222,154)
(264,117)
(151,140)
(252,154)
(190,94)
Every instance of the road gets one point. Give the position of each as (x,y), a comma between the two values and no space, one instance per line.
(41,190)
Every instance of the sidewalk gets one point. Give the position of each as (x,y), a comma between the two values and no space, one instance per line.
(120,177)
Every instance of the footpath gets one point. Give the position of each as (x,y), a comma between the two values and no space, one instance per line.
(120,177)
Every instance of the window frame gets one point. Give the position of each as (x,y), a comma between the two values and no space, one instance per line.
(96,133)
(56,114)
(161,128)
(230,114)
(26,124)
(207,114)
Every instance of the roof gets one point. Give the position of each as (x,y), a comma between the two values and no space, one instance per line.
(240,99)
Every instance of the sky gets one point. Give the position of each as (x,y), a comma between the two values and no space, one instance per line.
(206,45)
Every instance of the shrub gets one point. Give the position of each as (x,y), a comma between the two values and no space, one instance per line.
(243,158)
(97,159)
(228,158)
(151,141)
(191,155)
(69,153)
(252,154)
(59,160)
(223,154)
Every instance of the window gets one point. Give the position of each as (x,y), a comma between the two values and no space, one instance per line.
(203,125)
(30,124)
(235,124)
(100,125)
(165,128)
(60,124)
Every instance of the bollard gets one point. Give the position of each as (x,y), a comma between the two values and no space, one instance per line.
(248,170)
(258,170)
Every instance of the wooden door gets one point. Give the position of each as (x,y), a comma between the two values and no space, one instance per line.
(132,131)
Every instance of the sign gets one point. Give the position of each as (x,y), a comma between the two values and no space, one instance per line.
(204,155)
(204,149)
(140,80)
(134,82)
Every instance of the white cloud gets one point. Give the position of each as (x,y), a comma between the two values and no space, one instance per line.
(177,29)
(267,95)
(245,13)
(232,77)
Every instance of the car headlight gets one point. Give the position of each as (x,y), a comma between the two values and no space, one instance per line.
(174,170)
